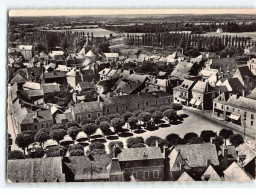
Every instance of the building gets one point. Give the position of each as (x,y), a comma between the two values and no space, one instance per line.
(73,78)
(181,71)
(36,120)
(49,88)
(249,49)
(76,58)
(245,76)
(55,77)
(182,94)
(154,84)
(85,91)
(219,30)
(36,170)
(111,57)
(203,95)
(192,158)
(145,164)
(236,173)
(26,51)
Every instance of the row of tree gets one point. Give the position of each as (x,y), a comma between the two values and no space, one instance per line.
(186,40)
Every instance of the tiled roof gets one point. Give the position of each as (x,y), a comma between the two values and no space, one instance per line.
(105,71)
(18,78)
(245,71)
(195,155)
(235,173)
(200,86)
(86,85)
(25,47)
(252,95)
(131,154)
(51,87)
(235,84)
(84,169)
(35,170)
(114,167)
(87,107)
(182,70)
(90,54)
(242,102)
(38,116)
(55,74)
(244,149)
(75,56)
(211,174)
(187,84)
(222,62)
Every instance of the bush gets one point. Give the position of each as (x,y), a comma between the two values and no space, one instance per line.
(151,141)
(189,136)
(16,154)
(76,152)
(101,119)
(134,140)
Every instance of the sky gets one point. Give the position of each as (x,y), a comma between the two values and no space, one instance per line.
(70,12)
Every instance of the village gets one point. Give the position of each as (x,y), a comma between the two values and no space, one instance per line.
(143,110)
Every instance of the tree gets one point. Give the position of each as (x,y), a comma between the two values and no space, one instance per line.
(42,136)
(189,136)
(173,139)
(71,124)
(89,129)
(117,123)
(57,134)
(16,154)
(137,112)
(218,141)
(207,134)
(157,116)
(170,114)
(36,153)
(58,126)
(104,126)
(151,110)
(196,140)
(177,107)
(112,116)
(225,133)
(127,115)
(138,145)
(134,140)
(23,140)
(115,146)
(145,117)
(97,146)
(101,119)
(76,152)
(164,108)
(73,131)
(87,121)
(55,151)
(236,140)
(132,121)
(153,140)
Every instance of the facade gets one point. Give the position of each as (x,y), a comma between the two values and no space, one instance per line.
(182,94)
(144,164)
(26,51)
(252,65)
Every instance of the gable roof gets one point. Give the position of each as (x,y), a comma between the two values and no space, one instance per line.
(235,84)
(187,84)
(105,71)
(31,85)
(242,102)
(211,174)
(34,71)
(111,55)
(90,54)
(86,85)
(35,170)
(32,93)
(236,173)
(195,155)
(244,149)
(18,78)
(185,177)
(51,87)
(114,167)
(93,106)
(55,74)
(200,86)
(39,116)
(252,95)
(245,71)
(128,86)
(131,154)
(182,70)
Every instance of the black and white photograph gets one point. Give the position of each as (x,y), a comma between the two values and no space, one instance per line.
(131,95)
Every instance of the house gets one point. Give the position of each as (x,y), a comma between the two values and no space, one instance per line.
(103,73)
(33,96)
(177,56)
(153,84)
(114,170)
(219,105)
(140,101)
(104,86)
(31,86)
(34,74)
(203,95)
(85,91)
(129,87)
(206,73)
(181,71)
(76,58)
(85,169)
(211,175)
(252,65)
(55,77)
(26,51)
(73,77)
(197,59)
(185,177)
(36,120)
(85,86)
(63,118)
(252,95)
(49,88)
(234,85)
(249,49)
(92,56)
(35,170)
(183,93)
(19,77)
(192,158)
(247,158)
(86,110)
(145,164)
(56,55)
(111,57)
(236,173)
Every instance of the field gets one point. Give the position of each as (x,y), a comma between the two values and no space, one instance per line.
(97,32)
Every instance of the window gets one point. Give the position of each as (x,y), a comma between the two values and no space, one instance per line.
(127,165)
(108,110)
(233,109)
(215,104)
(117,109)
(199,98)
(126,107)
(245,114)
(252,116)
(156,102)
(35,127)
(169,100)
(42,125)
(89,115)
(146,103)
(146,174)
(98,114)
(145,163)
(238,111)
(155,173)
(175,98)
(251,123)
(227,108)
(138,105)
(222,106)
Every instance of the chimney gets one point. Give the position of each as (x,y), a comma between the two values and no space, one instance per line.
(98,99)
(244,93)
(181,167)
(156,143)
(225,156)
(209,162)
(206,87)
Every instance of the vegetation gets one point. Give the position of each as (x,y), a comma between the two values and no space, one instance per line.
(16,154)
(225,133)
(207,134)
(196,140)
(115,146)
(23,140)
(132,121)
(57,134)
(42,136)
(174,139)
(76,153)
(56,151)
(101,119)
(153,140)
(218,141)
(171,115)
(189,136)
(36,153)
(134,140)
(117,123)
(138,145)
(236,140)
(145,117)
(157,116)
(73,131)
(104,126)
(89,129)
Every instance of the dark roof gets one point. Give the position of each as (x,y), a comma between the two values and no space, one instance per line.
(235,84)
(35,170)
(131,154)
(93,106)
(37,116)
(245,71)
(128,86)
(32,93)
(85,169)
(34,71)
(55,74)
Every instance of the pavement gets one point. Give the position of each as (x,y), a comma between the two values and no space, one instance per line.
(207,114)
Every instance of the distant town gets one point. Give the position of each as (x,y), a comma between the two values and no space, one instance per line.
(104,99)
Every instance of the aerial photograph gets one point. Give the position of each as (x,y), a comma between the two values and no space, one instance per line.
(134,97)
